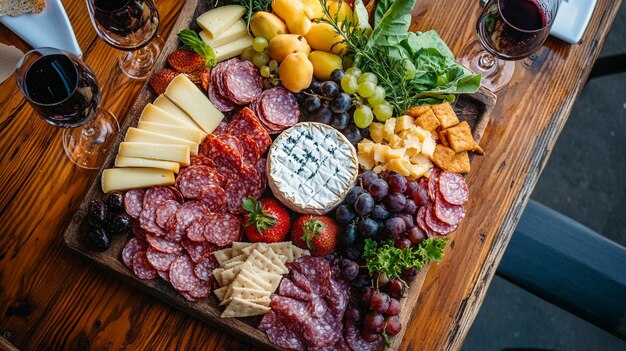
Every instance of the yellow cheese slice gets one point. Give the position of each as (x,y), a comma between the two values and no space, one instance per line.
(236,31)
(218,20)
(124,161)
(145,136)
(232,49)
(190,99)
(152,113)
(173,153)
(119,179)
(191,134)
(168,106)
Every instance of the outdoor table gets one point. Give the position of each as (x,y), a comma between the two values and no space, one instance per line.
(52,299)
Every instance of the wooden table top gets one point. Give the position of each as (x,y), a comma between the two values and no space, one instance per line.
(50,298)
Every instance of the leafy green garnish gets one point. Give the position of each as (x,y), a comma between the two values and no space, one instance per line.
(192,41)
(384,257)
(252,7)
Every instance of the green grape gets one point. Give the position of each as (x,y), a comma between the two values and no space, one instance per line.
(349,84)
(248,53)
(363,116)
(265,72)
(367,89)
(354,71)
(368,77)
(378,97)
(259,44)
(383,112)
(409,69)
(261,59)
(273,65)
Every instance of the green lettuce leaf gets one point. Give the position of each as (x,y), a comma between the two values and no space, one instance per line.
(392,20)
(363,17)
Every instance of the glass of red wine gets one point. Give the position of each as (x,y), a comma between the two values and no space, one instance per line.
(508,30)
(65,92)
(131,26)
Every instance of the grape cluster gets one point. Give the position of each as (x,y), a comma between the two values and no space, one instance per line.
(376,313)
(258,55)
(371,97)
(105,218)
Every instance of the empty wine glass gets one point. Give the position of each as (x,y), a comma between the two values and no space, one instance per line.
(129,25)
(65,92)
(507,30)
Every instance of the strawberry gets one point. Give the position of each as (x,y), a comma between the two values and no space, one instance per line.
(201,77)
(185,61)
(267,220)
(161,79)
(317,234)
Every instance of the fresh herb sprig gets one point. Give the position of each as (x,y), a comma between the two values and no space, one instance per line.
(192,41)
(252,7)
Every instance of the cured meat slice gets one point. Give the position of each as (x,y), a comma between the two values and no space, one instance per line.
(157,195)
(453,188)
(250,150)
(285,338)
(247,183)
(196,230)
(280,107)
(317,271)
(220,102)
(202,160)
(214,197)
(193,179)
(356,342)
(289,289)
(161,261)
(138,232)
(228,161)
(261,168)
(243,82)
(165,275)
(338,296)
(319,332)
(340,345)
(182,276)
(162,244)
(223,229)
(421,222)
(197,251)
(317,306)
(447,213)
(246,122)
(233,141)
(295,311)
(433,182)
(436,225)
(204,269)
(133,246)
(271,320)
(201,290)
(173,235)
(187,296)
(221,128)
(133,202)
(188,212)
(221,78)
(142,268)
(301,281)
(165,211)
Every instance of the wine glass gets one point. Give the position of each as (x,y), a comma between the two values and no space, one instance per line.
(131,26)
(508,30)
(65,92)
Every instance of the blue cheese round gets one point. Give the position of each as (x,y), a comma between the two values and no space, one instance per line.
(311,167)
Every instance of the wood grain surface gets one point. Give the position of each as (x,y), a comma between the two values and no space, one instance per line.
(51,299)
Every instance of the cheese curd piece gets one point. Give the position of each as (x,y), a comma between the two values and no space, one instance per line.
(311,167)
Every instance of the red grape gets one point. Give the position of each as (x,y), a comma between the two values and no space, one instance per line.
(364,204)
(378,189)
(421,197)
(416,235)
(379,302)
(410,206)
(411,187)
(397,183)
(394,308)
(395,288)
(367,177)
(369,337)
(349,269)
(394,202)
(402,243)
(374,322)
(393,325)
(409,274)
(366,296)
(395,226)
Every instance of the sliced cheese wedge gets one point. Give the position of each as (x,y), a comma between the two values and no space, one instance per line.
(152,113)
(232,49)
(173,153)
(236,31)
(168,106)
(191,134)
(145,136)
(218,20)
(119,179)
(125,162)
(190,99)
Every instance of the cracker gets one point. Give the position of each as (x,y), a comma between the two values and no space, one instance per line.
(284,248)
(428,121)
(264,301)
(445,114)
(256,277)
(223,255)
(257,259)
(460,138)
(271,255)
(298,252)
(442,156)
(238,246)
(272,279)
(417,111)
(221,292)
(232,264)
(239,307)
(246,294)
(229,275)
(258,246)
(217,273)
(460,163)
(239,258)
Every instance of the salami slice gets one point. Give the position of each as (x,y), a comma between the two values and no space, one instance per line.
(133,202)
(161,261)
(319,332)
(228,161)
(202,160)
(157,195)
(223,229)
(196,250)
(301,281)
(246,122)
(247,183)
(233,141)
(317,271)
(295,311)
(453,188)
(188,296)
(181,274)
(221,78)
(338,296)
(421,222)
(177,195)
(262,171)
(243,82)
(163,245)
(193,179)
(285,338)
(142,268)
(196,230)
(188,212)
(133,246)
(220,102)
(356,342)
(289,289)
(165,275)
(165,211)
(435,224)
(138,232)
(214,197)
(250,150)
(280,107)
(204,269)
(201,290)
(433,182)
(271,320)
(221,128)
(447,213)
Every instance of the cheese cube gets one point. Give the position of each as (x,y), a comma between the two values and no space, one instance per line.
(190,99)
(124,162)
(428,146)
(403,123)
(389,129)
(412,142)
(365,147)
(119,179)
(399,165)
(232,49)
(417,171)
(380,152)
(396,142)
(421,161)
(219,19)
(380,168)
(394,153)
(376,132)
(145,136)
(191,134)
(173,153)
(366,160)
(168,106)
(420,133)
(236,31)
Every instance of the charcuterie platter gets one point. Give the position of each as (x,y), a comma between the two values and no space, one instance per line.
(289,171)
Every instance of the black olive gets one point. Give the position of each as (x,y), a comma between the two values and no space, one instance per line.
(115,202)
(98,214)
(99,239)
(120,223)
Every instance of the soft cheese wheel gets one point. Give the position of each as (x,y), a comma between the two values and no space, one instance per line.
(311,167)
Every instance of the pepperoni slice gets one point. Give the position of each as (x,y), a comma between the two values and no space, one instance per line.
(453,188)
(250,150)
(182,276)
(161,261)
(133,202)
(133,246)
(231,140)
(197,250)
(433,180)
(165,211)
(202,160)
(228,161)
(246,122)
(447,213)
(222,229)
(247,183)
(280,107)
(162,244)
(435,224)
(142,267)
(193,179)
(243,82)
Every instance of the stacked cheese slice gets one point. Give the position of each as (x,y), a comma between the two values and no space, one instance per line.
(168,134)
(225,31)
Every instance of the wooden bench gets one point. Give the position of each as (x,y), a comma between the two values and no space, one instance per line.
(570,266)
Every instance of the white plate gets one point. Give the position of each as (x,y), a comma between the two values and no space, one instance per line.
(572,20)
(50,28)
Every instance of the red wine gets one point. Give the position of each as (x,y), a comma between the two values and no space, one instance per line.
(64,93)
(513,29)
(120,17)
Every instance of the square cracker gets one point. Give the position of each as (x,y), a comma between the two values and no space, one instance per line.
(417,111)
(261,247)
(442,156)
(217,273)
(222,255)
(232,264)
(283,249)
(445,114)
(460,138)
(255,276)
(244,281)
(246,294)
(227,276)
(272,279)
(239,258)
(298,252)
(264,301)
(221,292)
(264,264)
(273,257)
(428,121)
(460,163)
(239,307)
(238,246)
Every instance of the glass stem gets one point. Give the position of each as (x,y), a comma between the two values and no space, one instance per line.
(486,61)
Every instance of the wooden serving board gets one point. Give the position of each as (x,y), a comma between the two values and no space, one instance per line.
(475,108)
